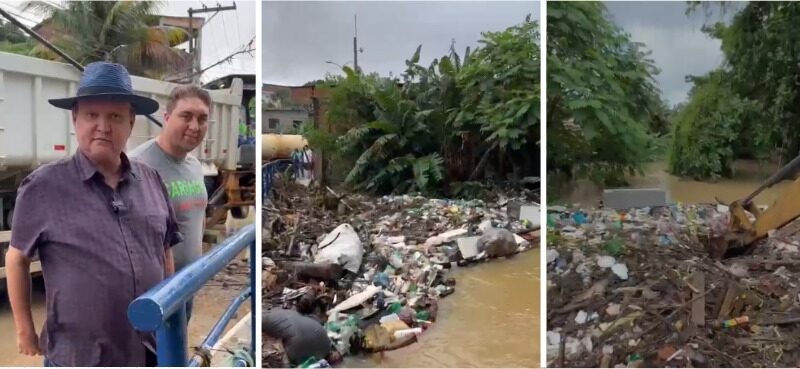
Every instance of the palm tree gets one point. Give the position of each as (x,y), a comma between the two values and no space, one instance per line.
(125,32)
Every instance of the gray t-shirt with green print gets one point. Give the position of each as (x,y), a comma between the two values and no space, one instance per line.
(187,191)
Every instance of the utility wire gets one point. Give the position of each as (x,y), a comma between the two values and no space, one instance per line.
(225,30)
(245,49)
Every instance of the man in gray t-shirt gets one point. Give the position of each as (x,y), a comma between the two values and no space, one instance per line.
(185,126)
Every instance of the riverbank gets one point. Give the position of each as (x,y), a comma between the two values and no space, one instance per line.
(748,176)
(418,252)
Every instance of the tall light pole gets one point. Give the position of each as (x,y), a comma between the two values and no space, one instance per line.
(355,42)
(356,49)
(336,64)
(341,66)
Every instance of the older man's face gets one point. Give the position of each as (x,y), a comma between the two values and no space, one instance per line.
(103,128)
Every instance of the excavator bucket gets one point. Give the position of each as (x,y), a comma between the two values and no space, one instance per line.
(749,224)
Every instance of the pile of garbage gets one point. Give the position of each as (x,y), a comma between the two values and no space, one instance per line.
(638,288)
(370,270)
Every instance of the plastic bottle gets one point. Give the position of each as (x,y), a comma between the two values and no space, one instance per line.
(731,322)
(308,363)
(396,260)
(320,364)
(381,279)
(579,218)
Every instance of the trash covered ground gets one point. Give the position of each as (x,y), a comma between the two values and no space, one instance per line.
(639,288)
(371,270)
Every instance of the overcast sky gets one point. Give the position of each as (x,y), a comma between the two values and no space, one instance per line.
(679,47)
(225,33)
(222,35)
(298,37)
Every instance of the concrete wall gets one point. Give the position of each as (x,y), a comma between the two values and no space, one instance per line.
(282,121)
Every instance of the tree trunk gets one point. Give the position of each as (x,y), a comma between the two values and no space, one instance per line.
(482,163)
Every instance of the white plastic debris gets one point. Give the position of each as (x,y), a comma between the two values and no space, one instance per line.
(553,338)
(356,299)
(389,318)
(531,213)
(573,346)
(621,271)
(606,261)
(341,246)
(434,241)
(587,343)
(452,234)
(407,332)
(396,239)
(581,317)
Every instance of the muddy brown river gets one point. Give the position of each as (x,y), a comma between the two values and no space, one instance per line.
(492,320)
(749,175)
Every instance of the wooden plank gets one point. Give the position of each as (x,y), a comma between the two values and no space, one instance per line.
(699,305)
(727,302)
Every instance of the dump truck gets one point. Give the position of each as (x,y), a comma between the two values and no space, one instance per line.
(33,133)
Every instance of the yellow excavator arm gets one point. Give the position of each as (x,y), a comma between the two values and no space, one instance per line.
(742,232)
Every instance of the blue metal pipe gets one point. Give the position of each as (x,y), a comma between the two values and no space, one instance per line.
(163,307)
(253,301)
(171,340)
(147,312)
(219,327)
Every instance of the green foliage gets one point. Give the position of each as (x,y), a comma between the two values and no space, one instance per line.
(750,106)
(470,190)
(125,32)
(706,129)
(501,87)
(13,40)
(11,34)
(22,48)
(317,138)
(761,48)
(602,99)
(441,123)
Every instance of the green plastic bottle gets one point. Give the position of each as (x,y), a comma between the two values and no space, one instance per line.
(395,307)
(309,362)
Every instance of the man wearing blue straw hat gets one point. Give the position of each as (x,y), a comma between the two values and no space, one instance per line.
(102,226)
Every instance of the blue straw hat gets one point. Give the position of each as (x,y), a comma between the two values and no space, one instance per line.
(109,81)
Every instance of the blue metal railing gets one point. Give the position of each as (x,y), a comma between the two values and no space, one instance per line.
(163,308)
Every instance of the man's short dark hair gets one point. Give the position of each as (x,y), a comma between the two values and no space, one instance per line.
(187,91)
